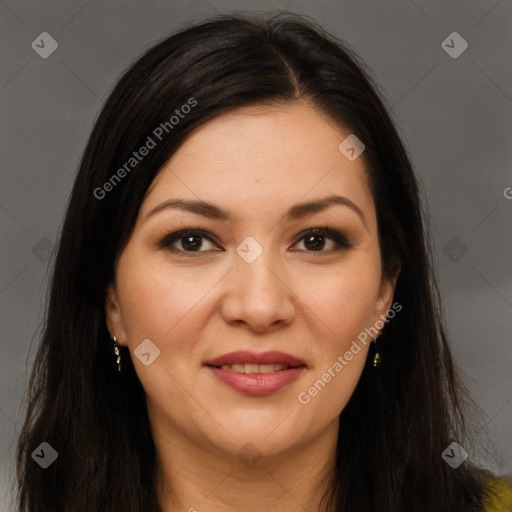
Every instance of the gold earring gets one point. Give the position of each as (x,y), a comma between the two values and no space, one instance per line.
(118,355)
(377,358)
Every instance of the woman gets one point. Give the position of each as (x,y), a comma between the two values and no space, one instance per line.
(243,311)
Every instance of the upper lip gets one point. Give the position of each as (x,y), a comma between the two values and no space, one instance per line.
(245,356)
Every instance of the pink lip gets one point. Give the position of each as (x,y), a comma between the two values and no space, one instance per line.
(245,356)
(257,383)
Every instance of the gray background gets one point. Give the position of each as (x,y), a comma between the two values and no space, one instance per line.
(455,116)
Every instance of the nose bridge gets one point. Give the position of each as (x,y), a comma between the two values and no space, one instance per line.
(254,270)
(258,295)
(257,277)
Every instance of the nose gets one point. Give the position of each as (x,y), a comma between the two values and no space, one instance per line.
(258,295)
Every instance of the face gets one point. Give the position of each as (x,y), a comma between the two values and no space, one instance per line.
(254,276)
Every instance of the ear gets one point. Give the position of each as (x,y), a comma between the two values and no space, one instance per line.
(113,315)
(385,296)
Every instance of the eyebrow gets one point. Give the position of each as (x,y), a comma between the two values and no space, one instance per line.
(297,211)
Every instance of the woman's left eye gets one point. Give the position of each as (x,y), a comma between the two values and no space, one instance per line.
(315,239)
(191,240)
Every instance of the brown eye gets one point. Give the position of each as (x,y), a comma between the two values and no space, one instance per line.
(315,240)
(185,241)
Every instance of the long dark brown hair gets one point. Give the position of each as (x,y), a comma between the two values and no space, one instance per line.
(400,418)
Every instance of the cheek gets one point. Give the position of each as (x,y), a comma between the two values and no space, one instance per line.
(344,305)
(155,300)
(343,298)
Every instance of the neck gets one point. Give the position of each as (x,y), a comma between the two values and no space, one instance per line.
(196,478)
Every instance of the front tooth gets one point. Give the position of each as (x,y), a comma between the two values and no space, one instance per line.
(254,368)
(266,368)
(250,368)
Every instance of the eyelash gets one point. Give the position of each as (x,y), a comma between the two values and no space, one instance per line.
(337,237)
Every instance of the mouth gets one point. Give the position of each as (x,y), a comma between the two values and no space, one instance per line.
(245,361)
(250,368)
(257,374)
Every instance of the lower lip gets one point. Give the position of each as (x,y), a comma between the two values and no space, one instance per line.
(257,383)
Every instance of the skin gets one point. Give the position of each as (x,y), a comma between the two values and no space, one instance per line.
(255,163)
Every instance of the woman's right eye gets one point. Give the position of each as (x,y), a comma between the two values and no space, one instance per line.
(185,241)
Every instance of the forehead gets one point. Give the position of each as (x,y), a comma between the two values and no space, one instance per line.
(262,158)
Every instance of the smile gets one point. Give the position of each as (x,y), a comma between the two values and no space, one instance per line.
(255,368)
(253,373)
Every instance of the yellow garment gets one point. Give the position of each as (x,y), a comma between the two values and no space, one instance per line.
(498,496)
